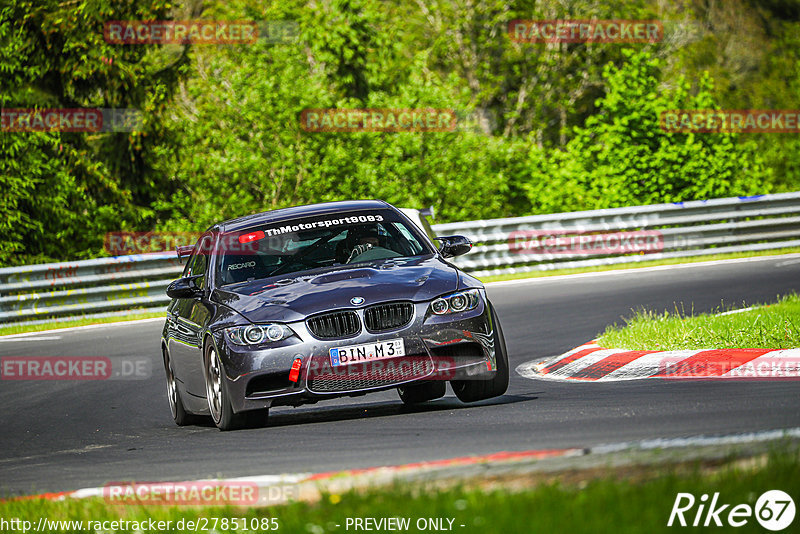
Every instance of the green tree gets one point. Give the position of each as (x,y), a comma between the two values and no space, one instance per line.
(239,137)
(622,156)
(63,191)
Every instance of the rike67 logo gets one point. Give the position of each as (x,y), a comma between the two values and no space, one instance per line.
(774,510)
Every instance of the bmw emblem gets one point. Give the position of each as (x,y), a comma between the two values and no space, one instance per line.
(357,300)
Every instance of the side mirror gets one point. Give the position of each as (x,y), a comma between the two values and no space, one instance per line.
(184,288)
(454,245)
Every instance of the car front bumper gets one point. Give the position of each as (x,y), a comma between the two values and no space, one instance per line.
(437,347)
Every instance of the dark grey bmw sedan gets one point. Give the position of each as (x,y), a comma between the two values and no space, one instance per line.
(303,304)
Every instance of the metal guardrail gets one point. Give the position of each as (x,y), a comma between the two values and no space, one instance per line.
(109,286)
(685,229)
(86,288)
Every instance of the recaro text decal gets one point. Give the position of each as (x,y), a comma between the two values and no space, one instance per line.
(237,266)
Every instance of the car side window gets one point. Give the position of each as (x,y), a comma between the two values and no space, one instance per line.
(198,263)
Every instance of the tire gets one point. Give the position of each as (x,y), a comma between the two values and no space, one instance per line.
(475,390)
(179,413)
(219,402)
(428,390)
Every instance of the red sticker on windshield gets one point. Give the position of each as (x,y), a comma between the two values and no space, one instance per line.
(254,236)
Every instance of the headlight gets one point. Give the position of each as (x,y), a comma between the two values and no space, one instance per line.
(256,334)
(456,302)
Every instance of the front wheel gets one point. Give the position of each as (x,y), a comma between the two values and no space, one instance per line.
(475,390)
(219,402)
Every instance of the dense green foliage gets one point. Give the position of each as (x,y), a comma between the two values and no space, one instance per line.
(554,127)
(63,191)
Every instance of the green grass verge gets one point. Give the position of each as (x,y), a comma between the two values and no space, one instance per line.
(23,328)
(774,326)
(637,502)
(670,261)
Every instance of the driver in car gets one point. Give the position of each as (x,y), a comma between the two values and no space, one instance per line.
(359,240)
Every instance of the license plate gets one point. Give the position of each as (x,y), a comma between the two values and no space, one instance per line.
(367,352)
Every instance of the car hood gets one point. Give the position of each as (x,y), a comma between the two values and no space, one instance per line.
(293,298)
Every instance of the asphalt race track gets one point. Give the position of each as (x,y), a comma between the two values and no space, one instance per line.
(59,435)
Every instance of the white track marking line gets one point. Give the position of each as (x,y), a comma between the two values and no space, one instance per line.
(85,327)
(88,448)
(698,441)
(269,480)
(646,366)
(733,312)
(655,268)
(41,338)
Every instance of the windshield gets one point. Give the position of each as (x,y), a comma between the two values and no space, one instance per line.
(316,242)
